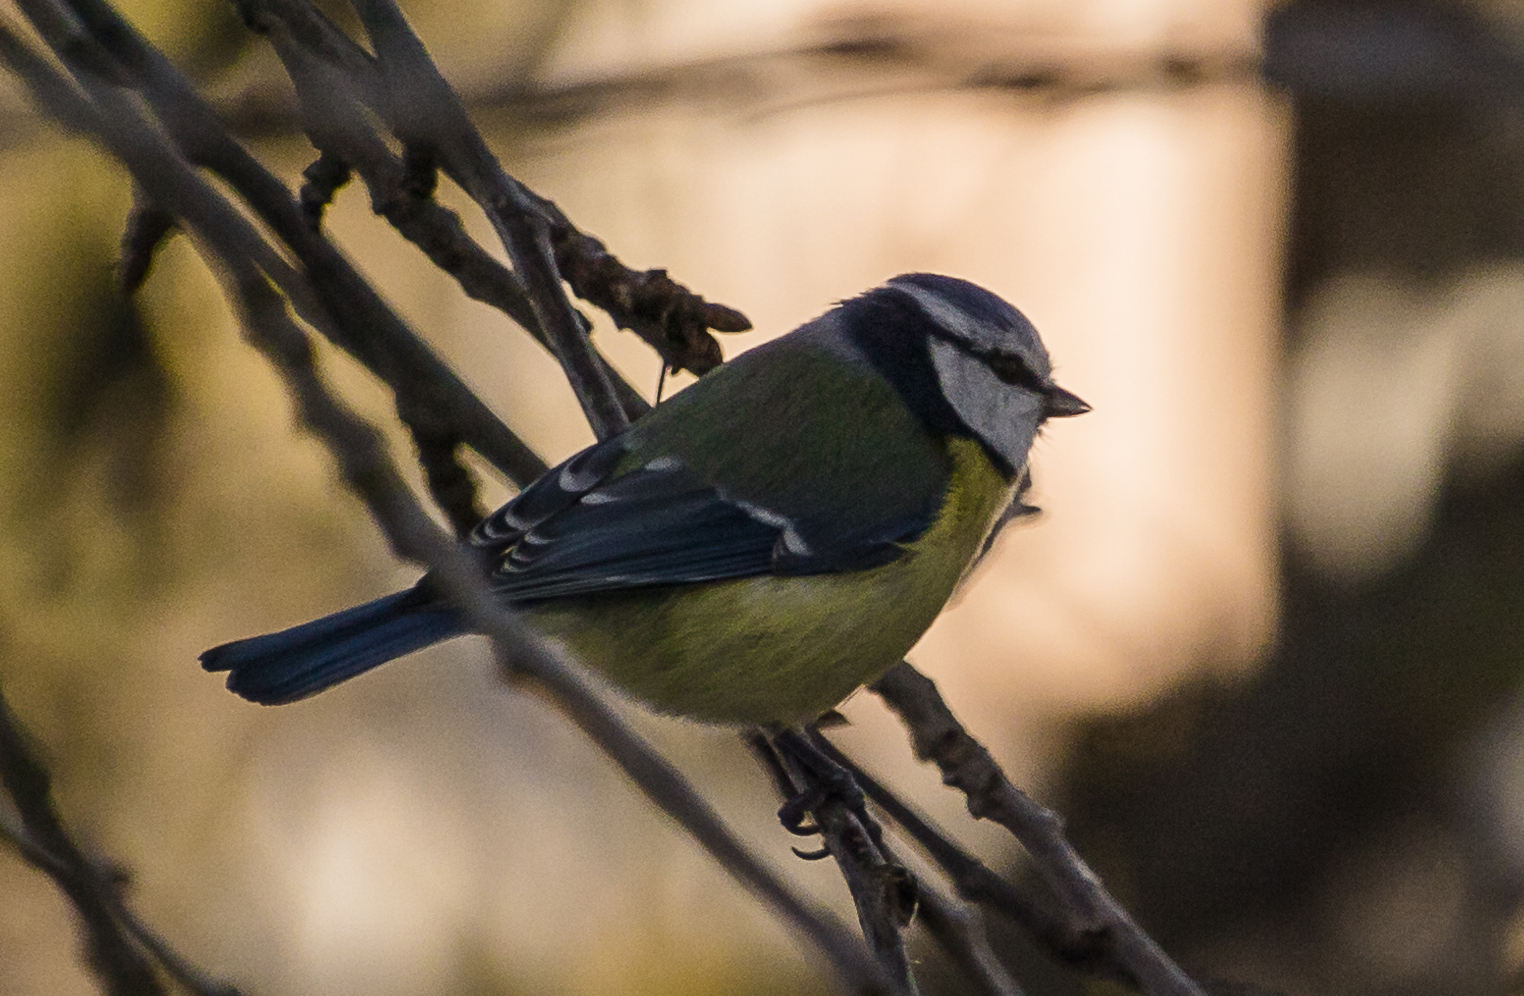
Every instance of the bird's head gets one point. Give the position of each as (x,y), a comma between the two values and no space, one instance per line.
(956,350)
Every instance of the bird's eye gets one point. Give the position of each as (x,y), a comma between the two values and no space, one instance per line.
(1014,370)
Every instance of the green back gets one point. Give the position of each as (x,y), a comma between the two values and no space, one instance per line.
(791,427)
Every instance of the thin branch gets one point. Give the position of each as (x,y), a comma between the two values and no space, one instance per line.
(430,120)
(882,891)
(350,312)
(855,60)
(121,944)
(335,122)
(956,927)
(880,885)
(668,316)
(116,960)
(449,482)
(181,970)
(937,736)
(147,229)
(325,178)
(1067,941)
(337,300)
(33,853)
(672,319)
(960,931)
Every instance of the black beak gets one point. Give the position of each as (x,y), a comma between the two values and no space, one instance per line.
(1062,404)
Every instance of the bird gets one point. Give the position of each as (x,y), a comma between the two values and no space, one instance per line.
(762,543)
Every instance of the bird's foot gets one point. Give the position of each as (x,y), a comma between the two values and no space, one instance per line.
(824,781)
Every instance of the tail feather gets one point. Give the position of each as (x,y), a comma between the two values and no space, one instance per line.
(304,660)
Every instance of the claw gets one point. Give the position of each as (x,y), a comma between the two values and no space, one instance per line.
(830,720)
(792,813)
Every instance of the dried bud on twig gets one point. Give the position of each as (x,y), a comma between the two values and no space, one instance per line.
(673,320)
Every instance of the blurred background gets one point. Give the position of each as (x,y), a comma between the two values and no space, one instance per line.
(1263,649)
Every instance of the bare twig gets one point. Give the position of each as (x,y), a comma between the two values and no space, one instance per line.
(937,736)
(881,888)
(668,316)
(853,60)
(431,122)
(122,948)
(877,56)
(1065,939)
(434,405)
(882,891)
(449,482)
(672,320)
(325,178)
(960,931)
(148,228)
(120,964)
(334,298)
(974,881)
(15,834)
(334,119)
(190,978)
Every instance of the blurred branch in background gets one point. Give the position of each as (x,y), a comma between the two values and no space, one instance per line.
(110,64)
(852,58)
(126,956)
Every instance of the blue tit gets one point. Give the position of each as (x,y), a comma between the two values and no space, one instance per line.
(763,543)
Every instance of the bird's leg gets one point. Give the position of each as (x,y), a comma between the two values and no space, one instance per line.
(831,794)
(822,779)
(763,747)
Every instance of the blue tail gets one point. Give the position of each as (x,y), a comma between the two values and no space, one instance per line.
(304,660)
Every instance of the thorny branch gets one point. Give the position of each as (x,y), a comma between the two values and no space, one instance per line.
(341,87)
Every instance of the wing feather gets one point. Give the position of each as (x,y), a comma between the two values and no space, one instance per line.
(606,521)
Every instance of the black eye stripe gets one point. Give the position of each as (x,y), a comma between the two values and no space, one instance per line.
(1014,370)
(1009,367)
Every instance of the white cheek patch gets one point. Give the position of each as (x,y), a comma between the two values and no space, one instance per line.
(1005,416)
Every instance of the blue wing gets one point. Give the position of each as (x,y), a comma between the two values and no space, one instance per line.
(583,529)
